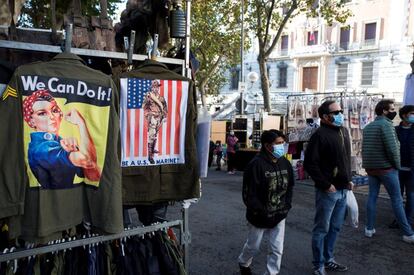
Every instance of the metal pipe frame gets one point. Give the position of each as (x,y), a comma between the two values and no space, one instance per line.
(106,54)
(140,231)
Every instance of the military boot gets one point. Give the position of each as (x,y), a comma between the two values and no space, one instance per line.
(150,153)
(155,151)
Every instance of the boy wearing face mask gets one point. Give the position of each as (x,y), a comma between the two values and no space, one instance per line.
(381,160)
(267,193)
(405,134)
(328,162)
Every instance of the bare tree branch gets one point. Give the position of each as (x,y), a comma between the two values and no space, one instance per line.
(282,26)
(269,17)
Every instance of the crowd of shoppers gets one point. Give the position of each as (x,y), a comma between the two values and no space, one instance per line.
(388,158)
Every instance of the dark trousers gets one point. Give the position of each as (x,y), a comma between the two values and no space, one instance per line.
(231,161)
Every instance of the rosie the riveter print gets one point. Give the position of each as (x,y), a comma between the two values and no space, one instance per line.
(66,128)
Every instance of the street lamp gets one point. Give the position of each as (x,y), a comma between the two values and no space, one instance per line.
(253,77)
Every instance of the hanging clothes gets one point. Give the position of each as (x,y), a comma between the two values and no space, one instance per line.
(409,90)
(158,129)
(60,135)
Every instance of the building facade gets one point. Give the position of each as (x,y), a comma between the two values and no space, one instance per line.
(371,52)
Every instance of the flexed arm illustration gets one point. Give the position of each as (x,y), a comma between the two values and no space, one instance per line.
(84,153)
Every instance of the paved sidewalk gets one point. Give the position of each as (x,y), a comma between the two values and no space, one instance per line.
(218,228)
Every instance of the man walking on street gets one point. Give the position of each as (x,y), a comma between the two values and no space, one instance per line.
(267,193)
(328,162)
(381,160)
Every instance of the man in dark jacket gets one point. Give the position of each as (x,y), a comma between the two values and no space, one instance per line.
(267,192)
(405,134)
(381,159)
(328,162)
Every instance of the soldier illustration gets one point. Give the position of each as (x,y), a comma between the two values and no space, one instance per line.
(155,112)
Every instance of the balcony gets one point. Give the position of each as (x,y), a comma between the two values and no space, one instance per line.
(369,43)
(311,50)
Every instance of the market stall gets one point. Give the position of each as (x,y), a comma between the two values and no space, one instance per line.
(302,120)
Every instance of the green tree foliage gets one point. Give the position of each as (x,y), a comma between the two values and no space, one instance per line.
(215,36)
(37,13)
(265,16)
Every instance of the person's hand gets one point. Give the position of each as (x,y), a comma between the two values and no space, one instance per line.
(69,144)
(351,186)
(331,189)
(74,117)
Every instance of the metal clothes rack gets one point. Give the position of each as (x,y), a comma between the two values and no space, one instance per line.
(185,235)
(341,95)
(139,231)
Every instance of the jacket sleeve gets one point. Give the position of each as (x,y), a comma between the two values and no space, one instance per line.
(291,183)
(392,146)
(312,163)
(251,183)
(13,177)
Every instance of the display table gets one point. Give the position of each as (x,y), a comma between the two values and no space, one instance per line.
(243,157)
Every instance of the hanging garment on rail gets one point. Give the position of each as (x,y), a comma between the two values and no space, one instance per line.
(154,255)
(409,90)
(158,129)
(58,149)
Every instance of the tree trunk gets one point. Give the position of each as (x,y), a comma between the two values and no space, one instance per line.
(203,95)
(264,78)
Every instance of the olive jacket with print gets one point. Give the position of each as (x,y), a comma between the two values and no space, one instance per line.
(149,184)
(38,213)
(267,190)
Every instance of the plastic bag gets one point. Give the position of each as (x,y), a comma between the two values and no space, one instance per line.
(352,207)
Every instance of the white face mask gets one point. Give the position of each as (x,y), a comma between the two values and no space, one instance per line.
(232,133)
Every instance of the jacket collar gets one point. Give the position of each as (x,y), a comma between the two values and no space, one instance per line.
(265,155)
(69,57)
(332,127)
(152,63)
(383,117)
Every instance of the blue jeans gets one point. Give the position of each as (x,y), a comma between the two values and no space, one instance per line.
(392,185)
(407,185)
(330,214)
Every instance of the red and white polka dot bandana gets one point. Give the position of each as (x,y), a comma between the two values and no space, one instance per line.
(28,104)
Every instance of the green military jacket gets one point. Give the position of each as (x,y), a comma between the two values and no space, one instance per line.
(174,174)
(58,149)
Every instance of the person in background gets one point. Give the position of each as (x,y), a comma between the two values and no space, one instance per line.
(231,152)
(267,193)
(211,153)
(328,162)
(381,160)
(218,151)
(405,134)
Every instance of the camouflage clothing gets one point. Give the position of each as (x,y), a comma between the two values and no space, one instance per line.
(155,110)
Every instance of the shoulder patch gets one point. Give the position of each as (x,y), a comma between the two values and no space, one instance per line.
(9,92)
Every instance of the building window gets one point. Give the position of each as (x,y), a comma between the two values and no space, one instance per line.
(284,43)
(282,77)
(235,78)
(344,38)
(342,75)
(367,73)
(312,38)
(370,33)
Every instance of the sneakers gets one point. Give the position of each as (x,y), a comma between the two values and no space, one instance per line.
(245,270)
(369,233)
(408,239)
(319,271)
(334,266)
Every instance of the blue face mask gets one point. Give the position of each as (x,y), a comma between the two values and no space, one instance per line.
(278,150)
(410,119)
(338,120)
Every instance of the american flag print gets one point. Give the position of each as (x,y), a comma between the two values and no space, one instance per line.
(134,126)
